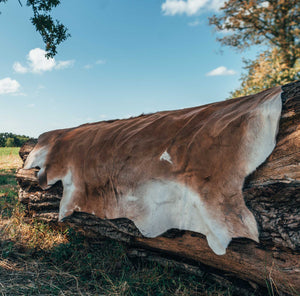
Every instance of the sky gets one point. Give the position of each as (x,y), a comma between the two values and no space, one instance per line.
(124,58)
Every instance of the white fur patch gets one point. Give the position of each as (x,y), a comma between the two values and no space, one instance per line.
(68,192)
(166,156)
(261,136)
(36,158)
(159,206)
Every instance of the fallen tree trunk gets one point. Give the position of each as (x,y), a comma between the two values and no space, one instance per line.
(272,193)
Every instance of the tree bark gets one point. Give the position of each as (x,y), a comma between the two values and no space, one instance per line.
(272,193)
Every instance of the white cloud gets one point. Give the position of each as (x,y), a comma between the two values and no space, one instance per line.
(38,63)
(221,71)
(88,66)
(216,4)
(194,23)
(100,62)
(64,64)
(189,7)
(19,68)
(9,86)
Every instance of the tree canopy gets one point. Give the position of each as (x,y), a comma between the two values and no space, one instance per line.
(252,22)
(266,71)
(12,140)
(52,31)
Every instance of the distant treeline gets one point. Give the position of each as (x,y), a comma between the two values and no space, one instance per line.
(12,140)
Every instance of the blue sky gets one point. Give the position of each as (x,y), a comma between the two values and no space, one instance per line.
(125,57)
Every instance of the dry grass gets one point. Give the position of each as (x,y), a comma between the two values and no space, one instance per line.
(9,158)
(29,233)
(37,259)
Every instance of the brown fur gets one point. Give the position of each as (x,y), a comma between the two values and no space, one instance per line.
(110,159)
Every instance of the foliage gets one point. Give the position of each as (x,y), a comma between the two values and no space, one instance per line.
(12,140)
(52,32)
(252,22)
(266,71)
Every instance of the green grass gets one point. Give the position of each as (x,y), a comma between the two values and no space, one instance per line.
(9,162)
(8,192)
(7,151)
(39,259)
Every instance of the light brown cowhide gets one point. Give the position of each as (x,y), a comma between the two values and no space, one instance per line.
(176,169)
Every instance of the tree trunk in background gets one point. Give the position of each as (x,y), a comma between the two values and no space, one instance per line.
(272,193)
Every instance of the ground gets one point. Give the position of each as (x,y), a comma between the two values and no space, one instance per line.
(37,259)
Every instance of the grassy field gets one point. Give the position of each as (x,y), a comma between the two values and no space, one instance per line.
(9,158)
(37,259)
